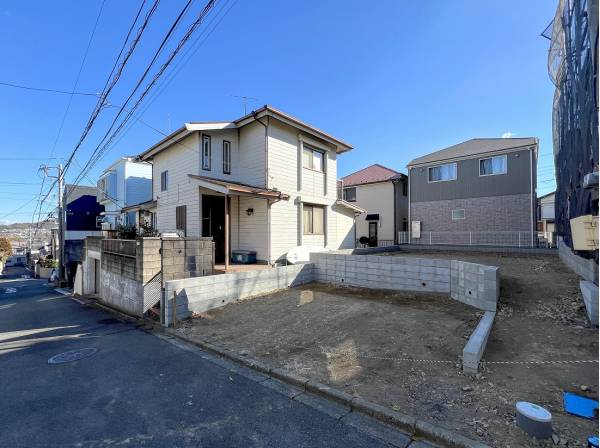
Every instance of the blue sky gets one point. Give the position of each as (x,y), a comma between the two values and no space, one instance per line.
(397,79)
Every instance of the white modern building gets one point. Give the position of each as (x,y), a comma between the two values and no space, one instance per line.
(123,184)
(265,182)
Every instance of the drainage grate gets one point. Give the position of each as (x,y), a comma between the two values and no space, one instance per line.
(72,355)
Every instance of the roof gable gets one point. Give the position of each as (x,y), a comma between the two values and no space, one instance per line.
(371,174)
(473,147)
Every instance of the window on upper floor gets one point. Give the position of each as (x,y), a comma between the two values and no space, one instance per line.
(404,187)
(313,159)
(442,173)
(164,181)
(492,165)
(313,219)
(226,157)
(206,152)
(350,194)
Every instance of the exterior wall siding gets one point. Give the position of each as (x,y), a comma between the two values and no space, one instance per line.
(497,213)
(469,184)
(376,198)
(180,160)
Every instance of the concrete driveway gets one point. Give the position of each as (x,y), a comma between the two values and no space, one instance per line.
(142,390)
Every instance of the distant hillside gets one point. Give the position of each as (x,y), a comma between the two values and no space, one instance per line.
(20,226)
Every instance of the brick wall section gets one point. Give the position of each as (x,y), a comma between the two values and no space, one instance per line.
(498,213)
(196,295)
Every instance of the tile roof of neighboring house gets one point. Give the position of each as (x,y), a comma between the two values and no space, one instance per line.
(473,147)
(370,175)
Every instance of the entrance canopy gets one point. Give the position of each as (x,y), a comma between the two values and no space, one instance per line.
(236,188)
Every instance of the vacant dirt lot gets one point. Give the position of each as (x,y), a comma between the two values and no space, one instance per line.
(359,340)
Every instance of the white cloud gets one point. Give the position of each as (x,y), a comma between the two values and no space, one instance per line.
(508,135)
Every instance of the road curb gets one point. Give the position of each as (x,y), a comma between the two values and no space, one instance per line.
(406,423)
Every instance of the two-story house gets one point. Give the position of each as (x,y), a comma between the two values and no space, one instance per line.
(481,185)
(383,193)
(265,182)
(123,185)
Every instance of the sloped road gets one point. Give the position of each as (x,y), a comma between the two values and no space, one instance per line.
(139,389)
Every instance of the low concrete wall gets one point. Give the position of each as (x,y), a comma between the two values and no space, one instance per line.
(475,284)
(477,342)
(589,291)
(373,271)
(470,283)
(199,294)
(584,267)
(487,249)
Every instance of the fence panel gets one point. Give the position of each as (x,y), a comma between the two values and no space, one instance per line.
(465,238)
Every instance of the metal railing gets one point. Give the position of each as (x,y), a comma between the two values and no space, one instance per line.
(466,238)
(377,243)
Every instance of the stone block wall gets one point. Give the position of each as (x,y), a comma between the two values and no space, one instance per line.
(187,258)
(382,272)
(475,284)
(199,294)
(584,267)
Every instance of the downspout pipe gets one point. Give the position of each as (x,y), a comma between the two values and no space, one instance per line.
(266,126)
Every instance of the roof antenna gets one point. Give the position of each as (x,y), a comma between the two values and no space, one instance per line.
(245,101)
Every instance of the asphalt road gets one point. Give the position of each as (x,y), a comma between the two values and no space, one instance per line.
(142,390)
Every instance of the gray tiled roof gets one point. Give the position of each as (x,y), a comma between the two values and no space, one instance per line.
(473,147)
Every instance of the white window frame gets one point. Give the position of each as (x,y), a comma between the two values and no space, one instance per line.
(312,215)
(164,186)
(458,210)
(442,180)
(492,157)
(206,152)
(226,157)
(312,149)
(344,196)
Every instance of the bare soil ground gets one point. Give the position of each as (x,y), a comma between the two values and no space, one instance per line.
(358,340)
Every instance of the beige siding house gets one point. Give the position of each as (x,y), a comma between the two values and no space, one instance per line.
(265,183)
(382,192)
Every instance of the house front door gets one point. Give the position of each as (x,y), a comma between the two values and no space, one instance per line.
(213,223)
(373,234)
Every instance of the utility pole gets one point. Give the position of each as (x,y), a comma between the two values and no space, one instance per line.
(61,218)
(61,215)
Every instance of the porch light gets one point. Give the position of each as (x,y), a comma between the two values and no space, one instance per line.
(250,211)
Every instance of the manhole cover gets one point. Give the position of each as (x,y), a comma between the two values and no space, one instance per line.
(72,355)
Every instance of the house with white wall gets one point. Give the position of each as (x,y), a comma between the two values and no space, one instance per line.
(383,193)
(124,184)
(265,182)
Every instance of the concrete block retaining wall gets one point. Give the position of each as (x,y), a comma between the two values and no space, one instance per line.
(473,350)
(589,291)
(196,295)
(475,284)
(584,267)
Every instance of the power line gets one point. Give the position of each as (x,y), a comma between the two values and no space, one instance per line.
(41,89)
(110,84)
(107,140)
(191,51)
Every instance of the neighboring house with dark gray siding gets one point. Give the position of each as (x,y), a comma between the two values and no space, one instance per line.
(483,184)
